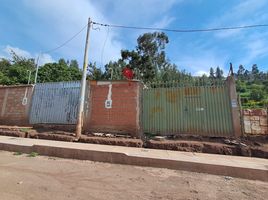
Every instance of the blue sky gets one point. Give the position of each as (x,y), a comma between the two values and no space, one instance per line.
(30,26)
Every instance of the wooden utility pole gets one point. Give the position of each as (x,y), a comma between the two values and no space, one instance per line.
(80,113)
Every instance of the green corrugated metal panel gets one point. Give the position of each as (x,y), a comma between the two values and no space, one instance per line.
(176,109)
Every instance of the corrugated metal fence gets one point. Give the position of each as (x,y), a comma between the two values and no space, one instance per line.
(172,108)
(55,103)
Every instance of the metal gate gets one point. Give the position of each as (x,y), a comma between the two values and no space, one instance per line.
(171,108)
(55,103)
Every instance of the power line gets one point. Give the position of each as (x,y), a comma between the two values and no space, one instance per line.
(66,42)
(182,30)
(157,29)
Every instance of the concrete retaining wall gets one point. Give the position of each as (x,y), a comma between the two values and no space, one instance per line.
(255,121)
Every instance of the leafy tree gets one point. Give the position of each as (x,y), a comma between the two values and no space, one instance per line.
(247,75)
(74,64)
(257,94)
(61,71)
(113,70)
(94,73)
(255,69)
(16,71)
(149,56)
(219,73)
(255,72)
(211,73)
(240,72)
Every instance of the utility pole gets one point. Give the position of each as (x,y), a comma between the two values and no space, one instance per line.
(80,113)
(37,68)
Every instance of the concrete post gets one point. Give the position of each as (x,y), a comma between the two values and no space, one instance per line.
(234,106)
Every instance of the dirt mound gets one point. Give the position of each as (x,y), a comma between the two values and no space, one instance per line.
(112,141)
(255,146)
(209,147)
(12,133)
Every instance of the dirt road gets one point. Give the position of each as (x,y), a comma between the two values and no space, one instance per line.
(40,177)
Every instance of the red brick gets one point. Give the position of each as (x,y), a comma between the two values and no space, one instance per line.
(123,114)
(15,113)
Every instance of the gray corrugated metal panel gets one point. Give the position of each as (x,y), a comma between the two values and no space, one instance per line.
(58,85)
(55,103)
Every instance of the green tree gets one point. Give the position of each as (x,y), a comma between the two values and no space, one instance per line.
(94,73)
(240,72)
(60,71)
(257,94)
(149,56)
(16,71)
(255,72)
(219,73)
(211,73)
(113,70)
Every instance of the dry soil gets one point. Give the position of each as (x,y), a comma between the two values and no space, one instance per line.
(40,177)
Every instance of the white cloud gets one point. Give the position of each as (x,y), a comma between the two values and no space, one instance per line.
(136,12)
(63,18)
(20,52)
(67,17)
(5,52)
(201,73)
(44,58)
(164,22)
(255,48)
(248,12)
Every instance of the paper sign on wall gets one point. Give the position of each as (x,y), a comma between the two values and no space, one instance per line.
(234,103)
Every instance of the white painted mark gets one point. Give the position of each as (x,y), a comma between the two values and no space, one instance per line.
(108,102)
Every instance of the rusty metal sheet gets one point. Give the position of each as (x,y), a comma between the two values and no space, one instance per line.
(200,110)
(55,103)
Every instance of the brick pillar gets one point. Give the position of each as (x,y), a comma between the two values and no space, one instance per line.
(234,106)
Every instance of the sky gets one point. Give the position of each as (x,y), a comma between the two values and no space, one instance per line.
(31,27)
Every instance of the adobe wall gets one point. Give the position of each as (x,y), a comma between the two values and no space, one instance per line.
(255,121)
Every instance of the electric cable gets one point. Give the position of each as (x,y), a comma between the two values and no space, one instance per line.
(66,42)
(182,30)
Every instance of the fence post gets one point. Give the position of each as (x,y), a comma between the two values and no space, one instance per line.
(234,106)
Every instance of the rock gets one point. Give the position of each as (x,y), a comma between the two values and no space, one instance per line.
(227,141)
(159,138)
(109,135)
(242,144)
(98,134)
(228,178)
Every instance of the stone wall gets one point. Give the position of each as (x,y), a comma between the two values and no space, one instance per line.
(255,121)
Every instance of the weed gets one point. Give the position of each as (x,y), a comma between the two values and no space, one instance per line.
(17,153)
(32,154)
(25,129)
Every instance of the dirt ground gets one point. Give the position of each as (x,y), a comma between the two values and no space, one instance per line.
(251,146)
(37,178)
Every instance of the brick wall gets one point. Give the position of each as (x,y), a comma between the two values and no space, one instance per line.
(255,121)
(123,117)
(12,111)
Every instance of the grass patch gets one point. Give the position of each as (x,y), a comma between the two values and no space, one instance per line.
(17,153)
(32,154)
(25,129)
